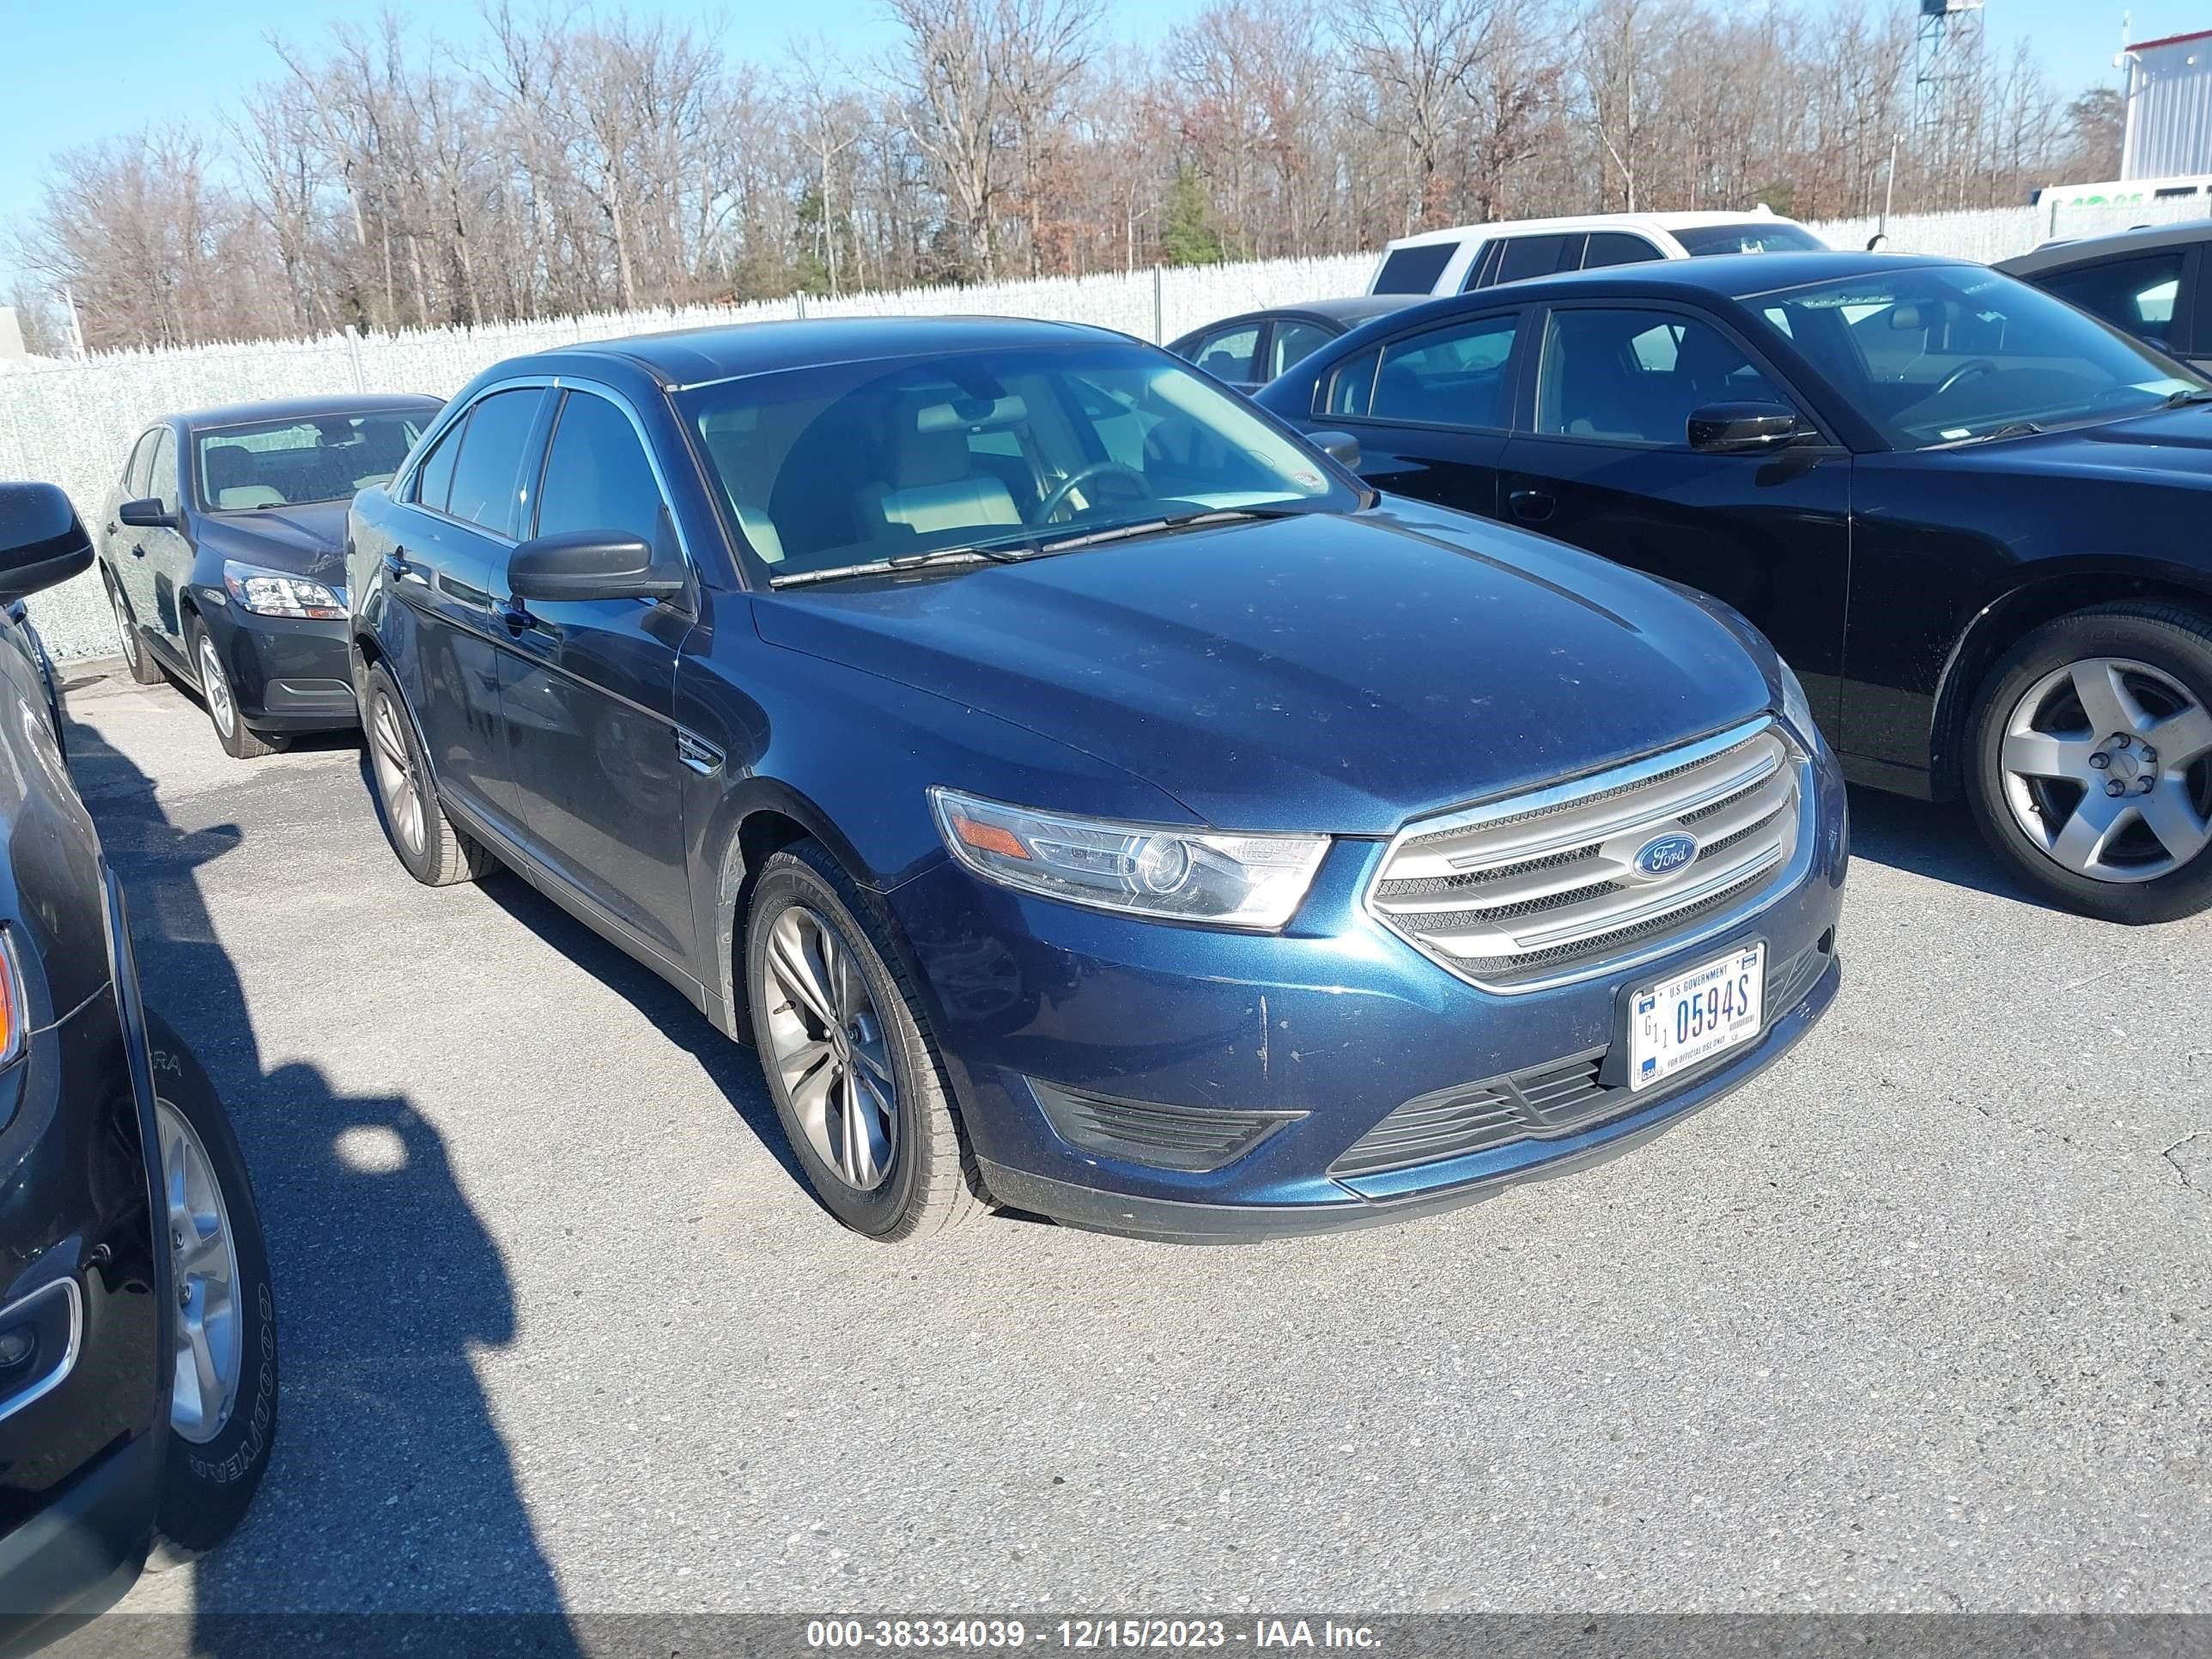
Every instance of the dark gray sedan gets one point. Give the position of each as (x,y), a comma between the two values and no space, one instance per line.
(1248,351)
(2150,281)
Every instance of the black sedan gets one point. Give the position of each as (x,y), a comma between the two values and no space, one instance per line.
(2151,281)
(1970,516)
(224,555)
(1249,350)
(138,1333)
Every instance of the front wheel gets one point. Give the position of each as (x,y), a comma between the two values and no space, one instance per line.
(846,1049)
(2091,773)
(222,1408)
(239,740)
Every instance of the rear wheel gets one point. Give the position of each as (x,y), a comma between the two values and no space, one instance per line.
(846,1049)
(222,1410)
(2091,774)
(239,740)
(136,657)
(435,853)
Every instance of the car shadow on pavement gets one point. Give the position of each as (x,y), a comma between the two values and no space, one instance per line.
(732,1068)
(1936,839)
(390,1491)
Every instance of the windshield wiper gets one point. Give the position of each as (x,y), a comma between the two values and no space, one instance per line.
(2188,394)
(902,562)
(1156,526)
(2009,429)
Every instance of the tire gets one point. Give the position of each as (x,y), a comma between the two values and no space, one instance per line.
(2121,831)
(239,740)
(145,671)
(216,1457)
(420,836)
(924,1180)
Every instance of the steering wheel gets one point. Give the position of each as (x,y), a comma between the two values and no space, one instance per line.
(1973,368)
(1082,474)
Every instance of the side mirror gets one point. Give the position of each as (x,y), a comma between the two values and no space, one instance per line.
(589,564)
(1743,428)
(1339,447)
(147,514)
(41,543)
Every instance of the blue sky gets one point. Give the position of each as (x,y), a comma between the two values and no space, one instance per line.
(76,70)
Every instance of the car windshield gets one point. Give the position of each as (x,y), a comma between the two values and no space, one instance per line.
(849,464)
(1949,354)
(325,458)
(1752,236)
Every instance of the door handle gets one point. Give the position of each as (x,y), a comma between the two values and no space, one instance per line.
(113,526)
(396,564)
(137,551)
(1532,505)
(516,616)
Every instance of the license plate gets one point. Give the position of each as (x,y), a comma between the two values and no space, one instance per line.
(1689,1018)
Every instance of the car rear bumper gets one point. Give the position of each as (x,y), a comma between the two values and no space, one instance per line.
(287,673)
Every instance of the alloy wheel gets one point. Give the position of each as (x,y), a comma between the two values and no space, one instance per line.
(827,1041)
(395,772)
(2108,767)
(215,686)
(123,627)
(210,1347)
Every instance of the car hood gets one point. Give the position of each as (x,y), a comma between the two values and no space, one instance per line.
(2174,445)
(303,541)
(1336,672)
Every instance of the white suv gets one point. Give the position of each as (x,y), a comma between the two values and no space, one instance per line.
(1481,256)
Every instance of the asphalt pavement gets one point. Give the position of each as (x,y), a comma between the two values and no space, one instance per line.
(1917,1320)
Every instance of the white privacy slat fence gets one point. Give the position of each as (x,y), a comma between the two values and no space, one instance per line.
(72,423)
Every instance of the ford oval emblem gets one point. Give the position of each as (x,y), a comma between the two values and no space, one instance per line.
(1664,855)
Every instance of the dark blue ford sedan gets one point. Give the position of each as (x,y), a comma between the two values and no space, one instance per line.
(1087,796)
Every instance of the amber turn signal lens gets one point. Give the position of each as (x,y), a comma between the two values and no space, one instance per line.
(989,838)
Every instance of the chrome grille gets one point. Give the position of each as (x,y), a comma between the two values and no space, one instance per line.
(1544,888)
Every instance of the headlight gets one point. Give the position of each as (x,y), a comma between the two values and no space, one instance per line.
(1143,870)
(1795,707)
(273,593)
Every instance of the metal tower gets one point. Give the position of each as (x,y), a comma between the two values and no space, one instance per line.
(1947,56)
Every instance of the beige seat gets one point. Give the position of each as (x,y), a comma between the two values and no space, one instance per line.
(933,485)
(232,479)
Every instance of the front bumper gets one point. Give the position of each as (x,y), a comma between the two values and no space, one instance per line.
(1332,1025)
(289,673)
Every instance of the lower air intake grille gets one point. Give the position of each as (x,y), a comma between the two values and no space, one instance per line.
(1560,1096)
(1167,1137)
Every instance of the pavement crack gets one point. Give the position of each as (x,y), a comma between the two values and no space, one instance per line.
(2181,1168)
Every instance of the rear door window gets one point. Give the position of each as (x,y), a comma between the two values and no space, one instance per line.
(1227,354)
(1452,376)
(1534,256)
(1616,247)
(2137,294)
(487,486)
(1414,270)
(1293,343)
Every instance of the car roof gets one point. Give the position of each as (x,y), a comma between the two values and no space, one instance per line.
(694,357)
(307,409)
(1665,222)
(1350,310)
(2066,251)
(1729,276)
